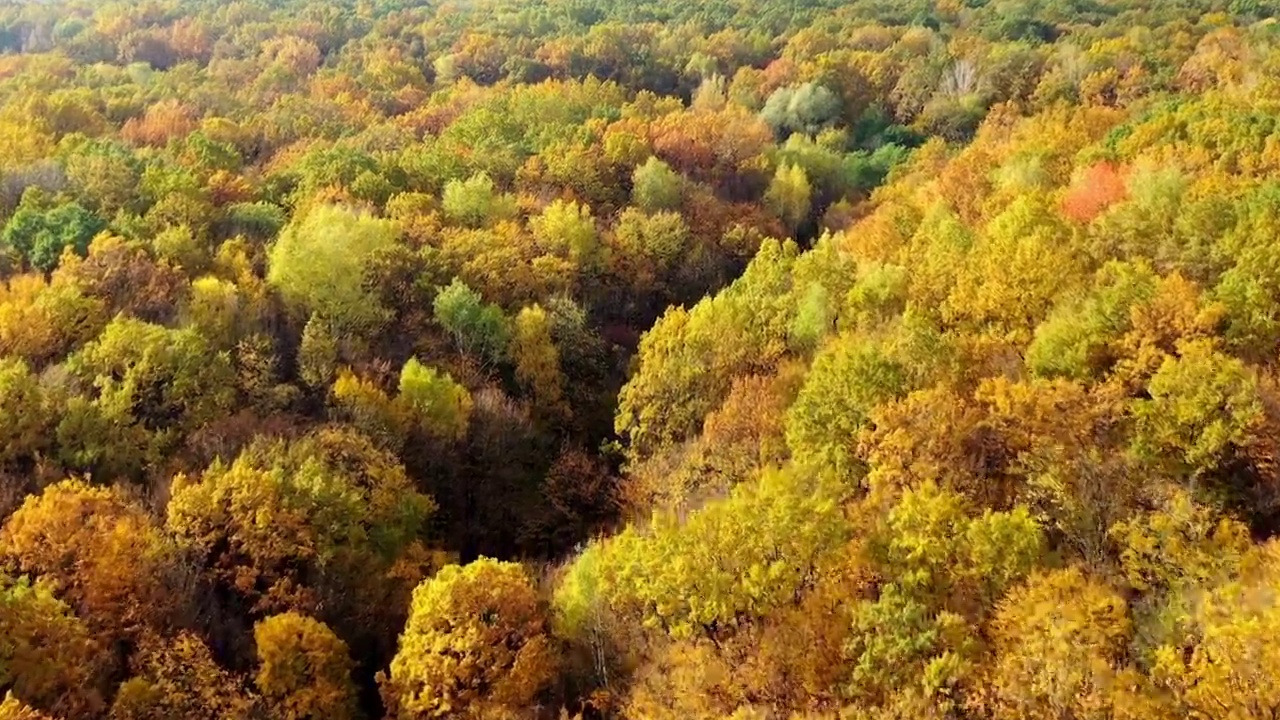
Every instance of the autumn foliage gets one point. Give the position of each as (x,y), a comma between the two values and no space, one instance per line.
(645,360)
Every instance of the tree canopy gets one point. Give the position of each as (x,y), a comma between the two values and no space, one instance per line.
(664,359)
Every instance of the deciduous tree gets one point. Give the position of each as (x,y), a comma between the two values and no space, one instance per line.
(476,646)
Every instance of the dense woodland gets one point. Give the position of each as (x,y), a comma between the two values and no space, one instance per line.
(640,359)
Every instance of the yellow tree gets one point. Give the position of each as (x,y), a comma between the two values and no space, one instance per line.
(178,679)
(538,360)
(48,658)
(314,523)
(304,671)
(14,709)
(106,556)
(360,402)
(1227,669)
(1058,643)
(476,646)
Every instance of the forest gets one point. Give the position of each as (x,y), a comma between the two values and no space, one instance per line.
(640,360)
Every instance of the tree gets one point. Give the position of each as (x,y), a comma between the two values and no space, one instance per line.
(687,679)
(153,379)
(849,377)
(537,360)
(318,264)
(1059,641)
(441,406)
(1180,543)
(1096,189)
(567,229)
(656,187)
(110,562)
(40,322)
(27,413)
(105,176)
(126,278)
(304,672)
(688,359)
(1077,339)
(937,552)
(40,236)
(343,512)
(160,122)
(361,403)
(477,327)
(13,709)
(807,108)
(1221,673)
(1203,406)
(1012,275)
(317,353)
(647,247)
(178,679)
(48,658)
(897,643)
(476,202)
(217,309)
(769,539)
(789,195)
(476,645)
(744,436)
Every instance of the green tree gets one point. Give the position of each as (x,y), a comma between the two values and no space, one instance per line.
(105,175)
(476,202)
(154,375)
(442,406)
(477,327)
(40,236)
(937,551)
(897,643)
(807,108)
(318,264)
(215,308)
(1075,340)
(849,378)
(655,187)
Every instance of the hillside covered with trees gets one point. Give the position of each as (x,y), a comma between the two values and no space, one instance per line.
(640,360)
